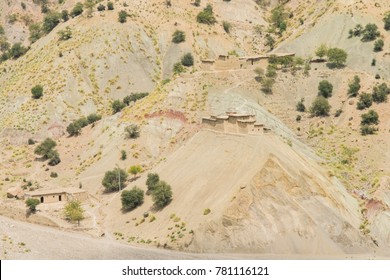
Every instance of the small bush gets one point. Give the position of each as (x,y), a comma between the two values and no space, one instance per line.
(115,179)
(132,131)
(123,155)
(206,211)
(354,87)
(367,130)
(132,198)
(325,89)
(378,45)
(370,118)
(178,36)
(93,118)
(117,106)
(162,194)
(73,129)
(300,107)
(122,16)
(380,93)
(31,141)
(365,101)
(206,16)
(152,181)
(227,26)
(110,6)
(370,32)
(32,204)
(178,68)
(37,92)
(101,7)
(53,175)
(77,10)
(320,107)
(187,60)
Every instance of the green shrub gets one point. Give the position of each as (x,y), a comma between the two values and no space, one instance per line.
(110,6)
(65,34)
(380,93)
(65,15)
(370,118)
(50,21)
(17,50)
(370,32)
(386,20)
(354,87)
(122,16)
(101,7)
(132,131)
(337,57)
(178,36)
(206,16)
(73,129)
(45,148)
(162,194)
(325,89)
(93,118)
(320,107)
(152,181)
(365,101)
(32,204)
(115,179)
(37,92)
(178,68)
(36,32)
(132,198)
(117,106)
(300,107)
(134,97)
(77,10)
(73,211)
(187,60)
(367,130)
(378,45)
(227,26)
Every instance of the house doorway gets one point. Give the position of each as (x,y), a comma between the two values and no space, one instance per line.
(42,199)
(59,198)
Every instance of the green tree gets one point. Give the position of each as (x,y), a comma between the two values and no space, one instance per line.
(178,68)
(65,15)
(354,87)
(122,16)
(93,118)
(135,169)
(45,148)
(370,32)
(32,204)
(50,21)
(227,26)
(17,50)
(337,57)
(101,7)
(132,131)
(322,51)
(325,88)
(178,36)
(77,10)
(65,34)
(320,107)
(162,194)
(54,158)
(187,60)
(378,45)
(386,20)
(279,17)
(132,198)
(37,91)
(35,32)
(117,106)
(301,106)
(73,129)
(206,16)
(110,6)
(152,181)
(370,118)
(367,129)
(380,93)
(365,101)
(73,211)
(115,179)
(267,85)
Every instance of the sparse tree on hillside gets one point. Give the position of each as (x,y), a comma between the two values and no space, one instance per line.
(74,212)
(187,60)
(178,36)
(322,51)
(50,21)
(206,16)
(110,6)
(152,181)
(115,180)
(337,57)
(117,106)
(35,32)
(132,131)
(354,87)
(132,198)
(365,101)
(73,129)
(37,92)
(370,32)
(32,204)
(135,169)
(378,45)
(45,148)
(122,16)
(370,118)
(77,10)
(301,105)
(162,194)
(325,88)
(380,93)
(320,107)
